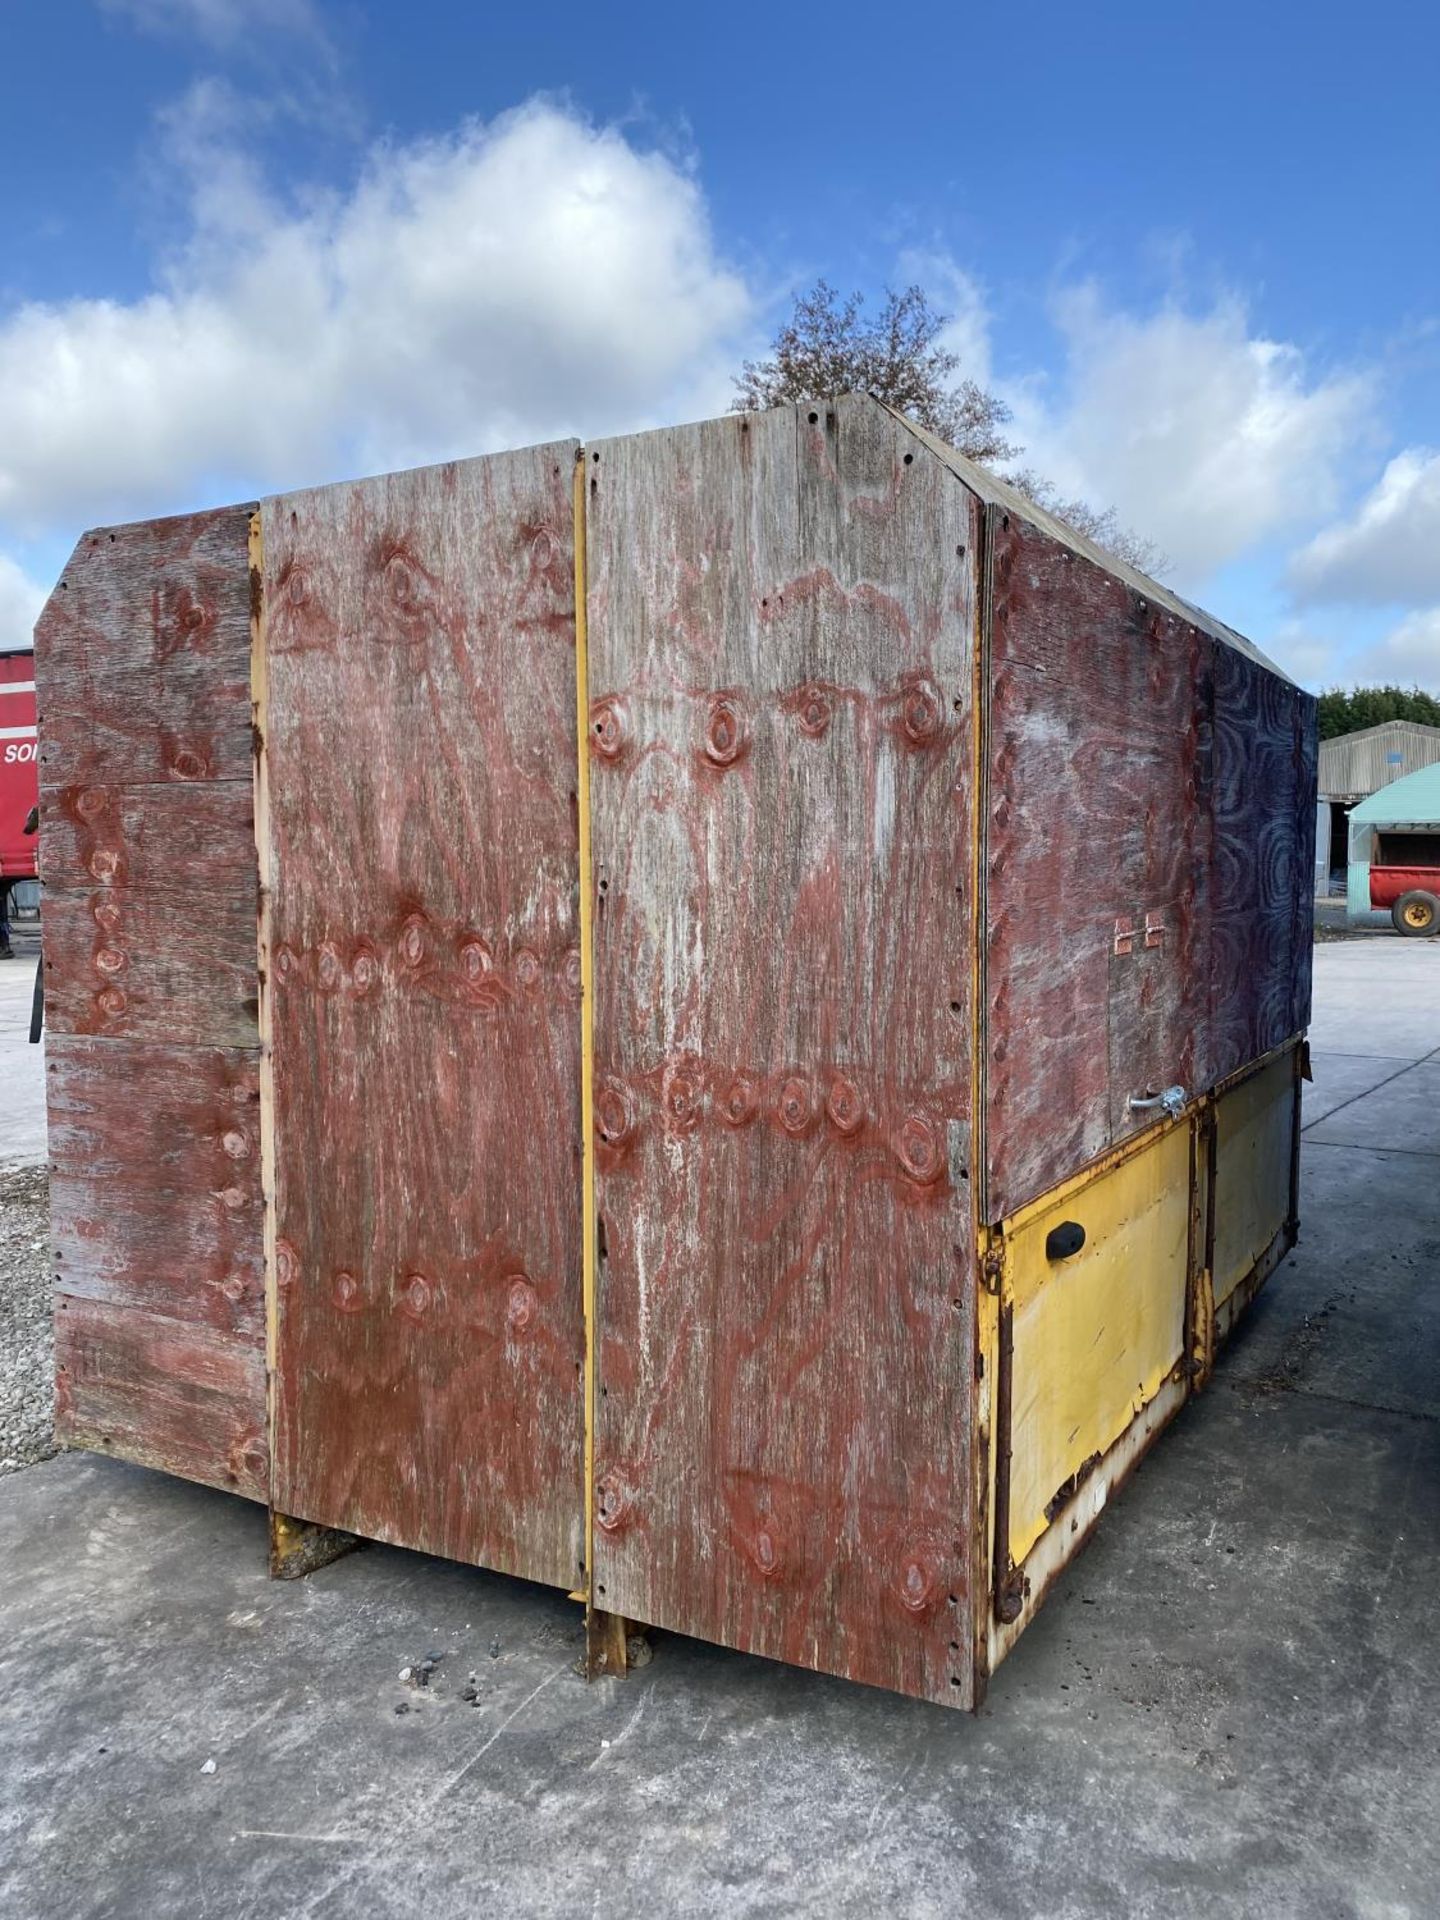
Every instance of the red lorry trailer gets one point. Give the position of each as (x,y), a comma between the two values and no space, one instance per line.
(1410,894)
(19,769)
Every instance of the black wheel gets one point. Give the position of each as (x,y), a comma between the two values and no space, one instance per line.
(1416,913)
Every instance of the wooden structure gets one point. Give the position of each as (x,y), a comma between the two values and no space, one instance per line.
(712,1018)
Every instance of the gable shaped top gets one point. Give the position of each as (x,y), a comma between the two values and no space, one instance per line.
(998,493)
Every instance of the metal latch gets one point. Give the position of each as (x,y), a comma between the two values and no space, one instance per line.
(1172,1099)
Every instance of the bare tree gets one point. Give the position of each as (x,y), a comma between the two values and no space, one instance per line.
(828,347)
(1099,525)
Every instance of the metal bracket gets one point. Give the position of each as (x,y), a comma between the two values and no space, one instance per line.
(1172,1099)
(298,1548)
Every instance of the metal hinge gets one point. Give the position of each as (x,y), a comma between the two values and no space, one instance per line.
(992,1267)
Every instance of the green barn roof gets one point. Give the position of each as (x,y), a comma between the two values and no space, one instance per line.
(1411,802)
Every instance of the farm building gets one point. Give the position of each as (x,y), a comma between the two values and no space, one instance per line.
(1397,831)
(769,1054)
(1351,768)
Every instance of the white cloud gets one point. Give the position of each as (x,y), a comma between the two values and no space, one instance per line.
(962,297)
(1409,656)
(20,603)
(1306,656)
(516,280)
(220,23)
(1388,550)
(1207,437)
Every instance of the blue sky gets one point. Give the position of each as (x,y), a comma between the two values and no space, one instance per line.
(246,247)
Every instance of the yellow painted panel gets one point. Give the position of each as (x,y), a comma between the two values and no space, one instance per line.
(1095,1335)
(1253,1124)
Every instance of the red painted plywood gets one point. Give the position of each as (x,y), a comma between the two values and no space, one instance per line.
(172,1394)
(154,1179)
(1097,860)
(148,861)
(420,766)
(143,653)
(781,627)
(158,964)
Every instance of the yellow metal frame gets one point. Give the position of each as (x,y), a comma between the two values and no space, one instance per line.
(587,1019)
(260,720)
(1008,1597)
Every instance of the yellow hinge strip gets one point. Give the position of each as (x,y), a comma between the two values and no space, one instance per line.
(260,718)
(587,1021)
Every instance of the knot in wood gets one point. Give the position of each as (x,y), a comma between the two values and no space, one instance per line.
(845,1107)
(918,1150)
(726,733)
(609,729)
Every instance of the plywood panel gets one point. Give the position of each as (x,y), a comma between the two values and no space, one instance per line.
(1097,862)
(144,651)
(421,772)
(155,1184)
(168,1393)
(781,624)
(186,839)
(145,963)
(143,674)
(1263,855)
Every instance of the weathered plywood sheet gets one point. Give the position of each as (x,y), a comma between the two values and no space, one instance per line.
(169,1393)
(421,772)
(146,655)
(781,627)
(154,1179)
(1264,853)
(148,860)
(141,963)
(185,838)
(1097,860)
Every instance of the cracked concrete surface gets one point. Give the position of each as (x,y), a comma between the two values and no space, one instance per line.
(1229,1706)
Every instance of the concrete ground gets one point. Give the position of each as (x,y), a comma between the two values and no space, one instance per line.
(1229,1707)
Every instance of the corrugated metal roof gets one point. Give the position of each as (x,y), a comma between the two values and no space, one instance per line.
(1411,802)
(997,492)
(1359,763)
